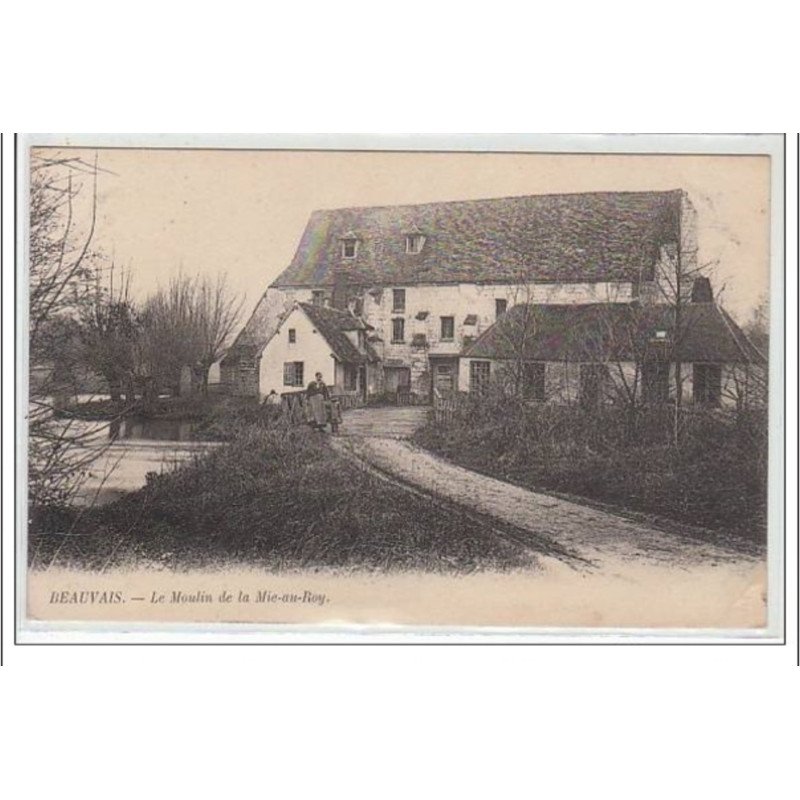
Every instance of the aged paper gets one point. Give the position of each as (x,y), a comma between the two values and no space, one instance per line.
(426,389)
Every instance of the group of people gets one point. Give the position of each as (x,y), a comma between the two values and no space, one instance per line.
(320,408)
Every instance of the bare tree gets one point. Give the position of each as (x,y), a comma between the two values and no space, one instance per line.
(215,312)
(188,324)
(515,338)
(109,330)
(61,275)
(757,327)
(169,339)
(61,262)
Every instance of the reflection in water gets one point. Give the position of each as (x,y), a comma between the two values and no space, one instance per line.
(174,430)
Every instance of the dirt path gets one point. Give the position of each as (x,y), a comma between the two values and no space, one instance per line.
(378,437)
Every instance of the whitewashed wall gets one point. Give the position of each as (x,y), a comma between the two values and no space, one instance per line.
(457,301)
(562,381)
(310,348)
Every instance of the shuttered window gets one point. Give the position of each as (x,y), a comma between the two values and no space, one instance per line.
(448,329)
(398,330)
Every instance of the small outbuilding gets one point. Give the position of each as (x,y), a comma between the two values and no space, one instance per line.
(596,352)
(313,338)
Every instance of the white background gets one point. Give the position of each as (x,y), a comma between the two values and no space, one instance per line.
(196,722)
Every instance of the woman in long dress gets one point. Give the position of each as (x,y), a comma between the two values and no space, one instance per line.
(316,396)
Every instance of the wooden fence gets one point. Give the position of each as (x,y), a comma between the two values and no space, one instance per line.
(445,406)
(405,397)
(293,404)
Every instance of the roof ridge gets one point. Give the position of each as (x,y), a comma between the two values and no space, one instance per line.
(735,330)
(597,193)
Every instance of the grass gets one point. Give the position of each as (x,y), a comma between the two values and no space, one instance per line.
(274,497)
(716,479)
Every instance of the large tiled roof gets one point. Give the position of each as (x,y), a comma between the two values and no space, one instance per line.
(615,331)
(559,237)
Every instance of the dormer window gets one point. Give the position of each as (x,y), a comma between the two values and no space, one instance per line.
(414,243)
(349,244)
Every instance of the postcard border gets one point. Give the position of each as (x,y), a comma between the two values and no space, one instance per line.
(27,632)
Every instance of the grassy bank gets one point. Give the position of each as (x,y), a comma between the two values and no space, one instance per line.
(214,417)
(716,479)
(275,497)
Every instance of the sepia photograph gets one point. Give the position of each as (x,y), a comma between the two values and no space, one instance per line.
(404,388)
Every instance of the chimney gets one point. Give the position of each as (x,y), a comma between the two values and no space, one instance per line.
(701,291)
(341,289)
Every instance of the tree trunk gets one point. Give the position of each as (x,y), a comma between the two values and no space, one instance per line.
(200,380)
(149,396)
(676,426)
(130,391)
(115,390)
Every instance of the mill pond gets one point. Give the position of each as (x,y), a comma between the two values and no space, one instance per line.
(131,448)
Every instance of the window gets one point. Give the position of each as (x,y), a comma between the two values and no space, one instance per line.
(293,373)
(398,300)
(318,297)
(398,330)
(479,373)
(292,335)
(707,384)
(349,248)
(593,381)
(350,377)
(655,382)
(533,380)
(414,242)
(448,328)
(500,306)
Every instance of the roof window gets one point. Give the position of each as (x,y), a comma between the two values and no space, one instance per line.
(349,245)
(414,243)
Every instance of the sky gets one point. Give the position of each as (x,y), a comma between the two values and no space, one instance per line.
(242,212)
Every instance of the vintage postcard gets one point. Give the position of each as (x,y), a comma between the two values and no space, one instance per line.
(513,385)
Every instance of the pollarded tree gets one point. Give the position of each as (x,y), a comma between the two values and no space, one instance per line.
(215,313)
(110,329)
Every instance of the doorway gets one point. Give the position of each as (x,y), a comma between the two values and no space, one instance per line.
(396,378)
(444,375)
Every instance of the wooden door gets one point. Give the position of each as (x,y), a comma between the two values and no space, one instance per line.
(396,378)
(444,378)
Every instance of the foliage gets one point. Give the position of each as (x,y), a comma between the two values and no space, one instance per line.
(61,273)
(279,497)
(716,479)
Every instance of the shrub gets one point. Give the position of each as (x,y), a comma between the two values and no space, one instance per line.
(716,478)
(279,497)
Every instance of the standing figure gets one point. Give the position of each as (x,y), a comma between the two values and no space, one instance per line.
(316,396)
